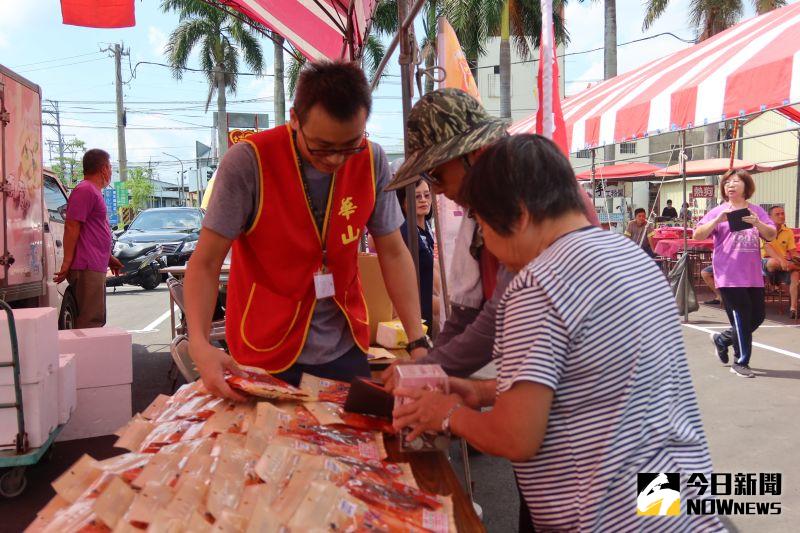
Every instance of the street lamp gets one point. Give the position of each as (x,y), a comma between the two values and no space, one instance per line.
(181,197)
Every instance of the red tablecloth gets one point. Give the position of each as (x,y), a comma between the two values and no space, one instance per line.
(671,247)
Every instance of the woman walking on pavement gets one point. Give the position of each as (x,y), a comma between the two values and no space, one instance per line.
(737,267)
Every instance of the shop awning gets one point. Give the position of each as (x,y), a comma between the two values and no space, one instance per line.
(622,171)
(707,167)
(319,29)
(753,66)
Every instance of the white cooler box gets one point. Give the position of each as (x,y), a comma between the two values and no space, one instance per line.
(67,391)
(37,338)
(100,411)
(103,356)
(40,405)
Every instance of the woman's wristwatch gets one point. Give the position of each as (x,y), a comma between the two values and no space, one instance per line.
(422,342)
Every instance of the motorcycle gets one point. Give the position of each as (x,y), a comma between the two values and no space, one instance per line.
(141,266)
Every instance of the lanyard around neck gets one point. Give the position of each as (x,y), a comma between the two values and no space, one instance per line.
(321,220)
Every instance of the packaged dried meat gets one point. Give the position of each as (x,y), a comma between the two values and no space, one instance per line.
(75,481)
(113,502)
(163,469)
(258,382)
(170,433)
(324,390)
(326,507)
(146,503)
(339,439)
(133,433)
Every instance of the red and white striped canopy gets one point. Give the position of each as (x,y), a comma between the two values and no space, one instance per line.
(317,28)
(751,67)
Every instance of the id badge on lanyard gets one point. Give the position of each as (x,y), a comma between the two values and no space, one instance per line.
(323,279)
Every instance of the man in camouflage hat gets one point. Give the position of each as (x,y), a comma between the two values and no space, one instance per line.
(446,132)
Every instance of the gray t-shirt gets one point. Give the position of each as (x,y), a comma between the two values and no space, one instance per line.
(233,207)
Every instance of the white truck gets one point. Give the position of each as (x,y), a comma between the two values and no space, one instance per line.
(32,206)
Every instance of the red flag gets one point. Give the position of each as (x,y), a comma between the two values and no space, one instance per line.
(549,118)
(98,13)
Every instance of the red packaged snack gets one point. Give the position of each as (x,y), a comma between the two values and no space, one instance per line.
(258,382)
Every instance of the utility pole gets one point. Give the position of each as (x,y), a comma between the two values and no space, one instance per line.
(54,112)
(119,50)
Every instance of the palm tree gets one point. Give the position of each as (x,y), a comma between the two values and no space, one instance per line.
(517,20)
(222,38)
(372,57)
(279,100)
(710,17)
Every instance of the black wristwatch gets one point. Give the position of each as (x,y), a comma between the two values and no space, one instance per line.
(422,342)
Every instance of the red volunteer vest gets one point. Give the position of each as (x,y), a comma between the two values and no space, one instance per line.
(271,295)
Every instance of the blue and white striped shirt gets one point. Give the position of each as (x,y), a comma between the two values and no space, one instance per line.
(593,319)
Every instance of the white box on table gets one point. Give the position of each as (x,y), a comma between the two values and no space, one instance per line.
(100,411)
(103,356)
(40,408)
(67,389)
(37,339)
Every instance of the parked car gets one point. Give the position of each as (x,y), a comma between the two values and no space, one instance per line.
(176,229)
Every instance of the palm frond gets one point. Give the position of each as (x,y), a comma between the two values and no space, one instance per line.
(373,55)
(765,6)
(653,9)
(384,18)
(181,42)
(293,72)
(249,45)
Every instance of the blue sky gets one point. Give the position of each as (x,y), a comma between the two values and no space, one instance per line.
(166,115)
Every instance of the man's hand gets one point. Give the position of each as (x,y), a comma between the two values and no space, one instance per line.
(467,390)
(784,265)
(212,362)
(115,265)
(416,353)
(61,275)
(424,413)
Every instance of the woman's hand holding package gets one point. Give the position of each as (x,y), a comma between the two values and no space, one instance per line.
(425,412)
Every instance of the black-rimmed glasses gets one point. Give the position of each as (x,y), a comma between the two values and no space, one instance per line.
(326,152)
(431,177)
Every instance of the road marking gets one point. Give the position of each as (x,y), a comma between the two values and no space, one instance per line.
(756,344)
(152,325)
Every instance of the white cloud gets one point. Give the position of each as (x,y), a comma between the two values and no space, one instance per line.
(157,40)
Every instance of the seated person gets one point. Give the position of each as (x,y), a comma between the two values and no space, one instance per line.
(575,423)
(708,276)
(781,258)
(640,232)
(669,211)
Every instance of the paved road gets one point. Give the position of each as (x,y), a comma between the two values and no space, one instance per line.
(752,425)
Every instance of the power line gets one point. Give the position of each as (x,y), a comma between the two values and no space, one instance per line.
(25,71)
(56,60)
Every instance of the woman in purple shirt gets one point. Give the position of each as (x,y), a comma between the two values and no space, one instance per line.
(737,267)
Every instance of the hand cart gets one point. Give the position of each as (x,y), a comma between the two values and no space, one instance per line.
(14,461)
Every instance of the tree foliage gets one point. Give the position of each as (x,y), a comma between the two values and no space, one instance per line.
(140,187)
(69,168)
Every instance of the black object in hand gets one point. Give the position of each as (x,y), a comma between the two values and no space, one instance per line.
(735,220)
(368,397)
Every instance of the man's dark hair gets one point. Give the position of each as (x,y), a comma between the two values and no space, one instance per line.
(669,202)
(774,207)
(94,160)
(521,172)
(638,210)
(340,87)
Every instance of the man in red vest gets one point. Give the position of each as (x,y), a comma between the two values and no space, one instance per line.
(293,202)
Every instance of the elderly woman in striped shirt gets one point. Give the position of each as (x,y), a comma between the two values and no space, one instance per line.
(588,394)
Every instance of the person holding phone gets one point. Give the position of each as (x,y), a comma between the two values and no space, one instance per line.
(737,227)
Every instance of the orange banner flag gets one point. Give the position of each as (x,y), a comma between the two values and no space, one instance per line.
(453,61)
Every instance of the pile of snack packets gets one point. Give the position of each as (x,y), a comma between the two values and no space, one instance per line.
(198,463)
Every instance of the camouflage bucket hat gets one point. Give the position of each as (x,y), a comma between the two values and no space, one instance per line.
(442,126)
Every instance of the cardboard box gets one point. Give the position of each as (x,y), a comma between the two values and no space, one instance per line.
(379,306)
(430,378)
(391,335)
(40,407)
(67,389)
(37,339)
(103,356)
(100,411)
